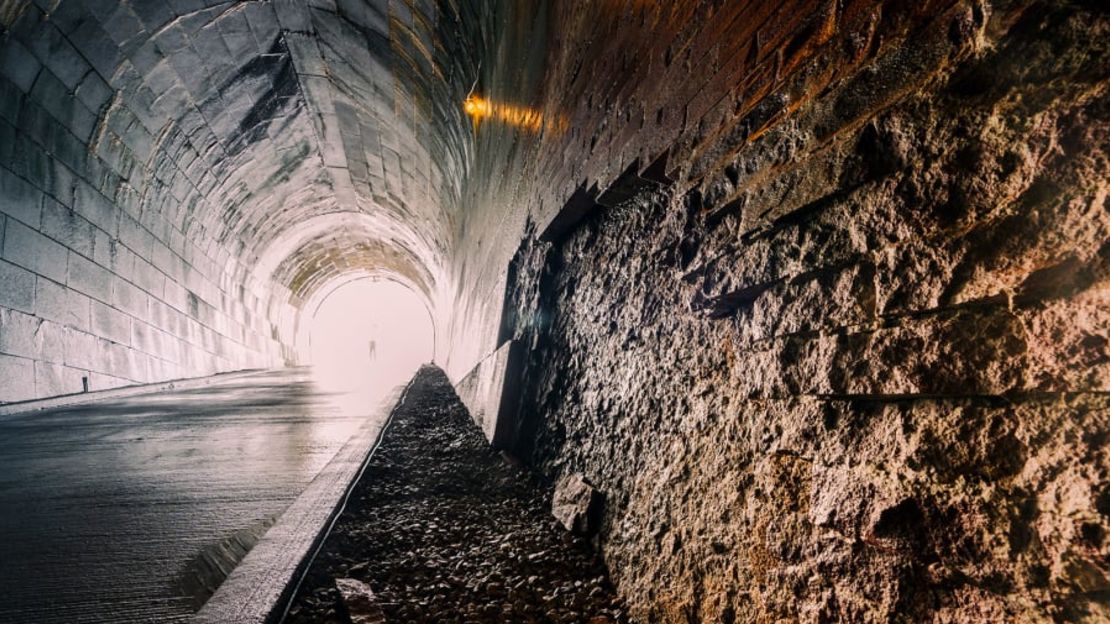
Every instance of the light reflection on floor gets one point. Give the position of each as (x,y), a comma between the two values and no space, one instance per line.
(103,505)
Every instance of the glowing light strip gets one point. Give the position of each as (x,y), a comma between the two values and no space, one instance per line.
(530,119)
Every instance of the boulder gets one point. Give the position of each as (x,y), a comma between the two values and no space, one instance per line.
(359,600)
(577,505)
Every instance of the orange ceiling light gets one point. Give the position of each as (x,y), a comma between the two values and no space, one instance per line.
(523,117)
(477,107)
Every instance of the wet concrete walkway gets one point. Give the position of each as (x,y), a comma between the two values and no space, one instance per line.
(105,508)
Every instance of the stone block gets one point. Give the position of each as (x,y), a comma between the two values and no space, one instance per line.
(34,252)
(78,310)
(107,322)
(17,334)
(151,340)
(29,336)
(19,379)
(306,57)
(51,302)
(56,379)
(122,360)
(129,298)
(89,278)
(103,249)
(148,277)
(55,52)
(17,287)
(143,337)
(61,181)
(18,199)
(11,108)
(166,261)
(50,340)
(143,367)
(293,15)
(209,44)
(29,160)
(135,236)
(161,77)
(18,65)
(263,25)
(160,369)
(67,227)
(173,350)
(94,92)
(55,99)
(153,15)
(98,48)
(121,259)
(368,15)
(97,209)
(80,350)
(176,296)
(159,315)
(65,148)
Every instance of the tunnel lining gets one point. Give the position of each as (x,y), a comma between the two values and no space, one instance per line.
(159,155)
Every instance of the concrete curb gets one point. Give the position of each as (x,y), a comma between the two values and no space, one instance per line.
(257,590)
(35,405)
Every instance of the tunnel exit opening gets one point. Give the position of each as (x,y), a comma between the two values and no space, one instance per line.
(370,335)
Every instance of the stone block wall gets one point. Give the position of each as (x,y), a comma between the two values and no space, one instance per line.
(77,300)
(847,360)
(105,277)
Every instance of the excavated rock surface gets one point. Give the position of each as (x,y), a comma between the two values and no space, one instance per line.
(859,370)
(443,529)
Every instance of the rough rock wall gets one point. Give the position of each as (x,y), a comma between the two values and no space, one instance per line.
(856,369)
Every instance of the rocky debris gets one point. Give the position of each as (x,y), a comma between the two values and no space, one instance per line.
(576,504)
(360,602)
(442,529)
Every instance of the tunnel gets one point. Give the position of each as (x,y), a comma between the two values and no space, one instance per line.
(791,310)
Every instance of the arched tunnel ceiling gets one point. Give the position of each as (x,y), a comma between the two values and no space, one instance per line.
(322,259)
(235,123)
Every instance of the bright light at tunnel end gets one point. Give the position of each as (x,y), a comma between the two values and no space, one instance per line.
(369,336)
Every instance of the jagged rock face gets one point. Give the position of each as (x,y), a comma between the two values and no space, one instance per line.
(860,373)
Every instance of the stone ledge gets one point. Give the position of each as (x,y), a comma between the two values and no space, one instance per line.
(36,405)
(490,392)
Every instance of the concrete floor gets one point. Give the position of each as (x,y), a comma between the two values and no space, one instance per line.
(103,506)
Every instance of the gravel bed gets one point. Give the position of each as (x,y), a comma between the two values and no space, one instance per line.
(444,529)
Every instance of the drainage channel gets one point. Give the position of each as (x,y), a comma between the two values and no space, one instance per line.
(440,528)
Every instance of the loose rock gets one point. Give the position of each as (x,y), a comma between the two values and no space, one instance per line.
(453,533)
(362,606)
(576,504)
